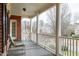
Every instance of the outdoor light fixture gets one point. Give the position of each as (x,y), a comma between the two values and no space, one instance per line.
(24,9)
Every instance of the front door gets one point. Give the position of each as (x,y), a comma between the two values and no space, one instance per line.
(13,29)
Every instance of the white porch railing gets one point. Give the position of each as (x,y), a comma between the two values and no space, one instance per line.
(68,46)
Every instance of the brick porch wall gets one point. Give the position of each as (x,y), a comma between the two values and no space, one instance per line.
(18,18)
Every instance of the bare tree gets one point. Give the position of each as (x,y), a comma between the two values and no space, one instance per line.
(52,19)
(65,18)
(24,26)
(41,24)
(34,27)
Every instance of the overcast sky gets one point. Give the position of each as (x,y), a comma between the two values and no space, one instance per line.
(74,7)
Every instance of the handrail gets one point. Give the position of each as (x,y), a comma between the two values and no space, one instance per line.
(59,37)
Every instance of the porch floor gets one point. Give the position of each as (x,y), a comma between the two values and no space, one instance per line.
(28,49)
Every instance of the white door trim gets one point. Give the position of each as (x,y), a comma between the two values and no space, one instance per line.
(13,20)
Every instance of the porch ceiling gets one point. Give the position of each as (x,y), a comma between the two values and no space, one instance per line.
(31,8)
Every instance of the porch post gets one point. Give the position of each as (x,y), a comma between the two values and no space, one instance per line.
(30,27)
(58,27)
(37,28)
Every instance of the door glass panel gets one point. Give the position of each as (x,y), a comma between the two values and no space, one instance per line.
(13,29)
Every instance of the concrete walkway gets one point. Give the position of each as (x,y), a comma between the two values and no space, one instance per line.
(28,49)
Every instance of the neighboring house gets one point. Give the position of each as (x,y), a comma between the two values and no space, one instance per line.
(70,29)
(73,28)
(76,28)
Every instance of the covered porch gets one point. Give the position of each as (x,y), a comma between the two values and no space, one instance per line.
(37,42)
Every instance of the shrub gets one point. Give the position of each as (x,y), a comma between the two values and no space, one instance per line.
(64,48)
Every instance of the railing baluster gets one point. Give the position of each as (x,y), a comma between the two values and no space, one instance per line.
(67,46)
(73,46)
(62,48)
(76,47)
(64,45)
(70,47)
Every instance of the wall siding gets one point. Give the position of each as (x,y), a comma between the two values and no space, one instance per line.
(1,28)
